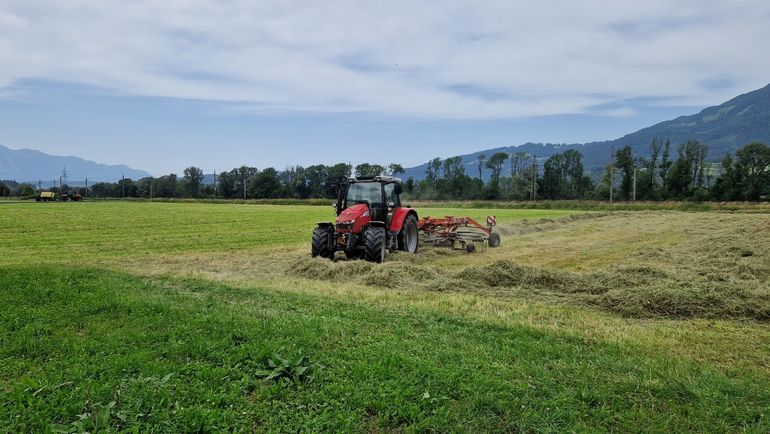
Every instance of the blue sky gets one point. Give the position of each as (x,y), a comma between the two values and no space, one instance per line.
(164,85)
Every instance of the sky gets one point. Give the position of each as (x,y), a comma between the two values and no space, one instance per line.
(162,85)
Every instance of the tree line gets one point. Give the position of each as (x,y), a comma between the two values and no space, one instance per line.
(243,182)
(668,172)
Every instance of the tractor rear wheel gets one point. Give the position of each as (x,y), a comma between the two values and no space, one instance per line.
(374,244)
(494,239)
(323,240)
(409,238)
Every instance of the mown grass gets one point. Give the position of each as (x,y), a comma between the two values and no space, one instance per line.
(96,351)
(91,231)
(160,316)
(653,264)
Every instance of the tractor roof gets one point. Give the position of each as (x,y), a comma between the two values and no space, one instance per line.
(382,179)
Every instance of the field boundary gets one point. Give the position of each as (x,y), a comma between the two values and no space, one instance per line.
(576,205)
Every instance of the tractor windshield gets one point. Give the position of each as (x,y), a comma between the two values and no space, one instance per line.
(364,192)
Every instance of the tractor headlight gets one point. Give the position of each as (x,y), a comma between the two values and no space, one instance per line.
(348,222)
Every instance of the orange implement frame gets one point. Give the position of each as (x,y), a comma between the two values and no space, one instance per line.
(464,231)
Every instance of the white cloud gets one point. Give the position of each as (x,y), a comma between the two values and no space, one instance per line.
(453,59)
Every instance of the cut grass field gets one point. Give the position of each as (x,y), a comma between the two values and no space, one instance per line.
(62,233)
(159,317)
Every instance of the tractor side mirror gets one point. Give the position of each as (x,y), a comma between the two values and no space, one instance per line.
(397,189)
(334,205)
(391,204)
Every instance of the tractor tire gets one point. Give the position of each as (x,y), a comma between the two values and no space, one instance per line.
(322,242)
(374,244)
(470,247)
(494,239)
(409,237)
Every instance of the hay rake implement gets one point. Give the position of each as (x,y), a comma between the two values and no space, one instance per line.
(458,232)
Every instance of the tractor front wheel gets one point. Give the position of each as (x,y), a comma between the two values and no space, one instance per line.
(409,236)
(323,242)
(374,244)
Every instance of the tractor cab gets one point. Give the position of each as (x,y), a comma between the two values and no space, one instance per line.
(380,195)
(370,220)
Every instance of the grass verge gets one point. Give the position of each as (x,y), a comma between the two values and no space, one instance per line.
(97,351)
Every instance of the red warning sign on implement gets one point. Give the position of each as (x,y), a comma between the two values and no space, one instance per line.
(491,220)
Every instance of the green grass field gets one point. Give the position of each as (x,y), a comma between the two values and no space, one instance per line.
(161,317)
(83,232)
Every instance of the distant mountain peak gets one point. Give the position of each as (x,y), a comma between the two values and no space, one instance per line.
(30,165)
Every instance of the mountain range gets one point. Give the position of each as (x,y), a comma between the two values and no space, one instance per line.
(724,128)
(28,165)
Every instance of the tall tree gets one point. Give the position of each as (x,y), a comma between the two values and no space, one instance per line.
(226,185)
(295,182)
(481,158)
(519,163)
(753,161)
(316,176)
(655,147)
(495,164)
(665,165)
(366,169)
(339,173)
(241,177)
(624,160)
(729,185)
(265,184)
(432,170)
(687,172)
(26,190)
(564,177)
(395,169)
(409,185)
(453,168)
(193,178)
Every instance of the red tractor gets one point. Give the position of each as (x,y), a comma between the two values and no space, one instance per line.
(370,220)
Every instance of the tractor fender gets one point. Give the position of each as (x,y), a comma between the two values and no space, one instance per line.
(399,216)
(325,224)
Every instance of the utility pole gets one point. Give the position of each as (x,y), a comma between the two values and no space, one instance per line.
(150,189)
(86,187)
(634,184)
(534,177)
(123,184)
(244,188)
(612,168)
(62,179)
